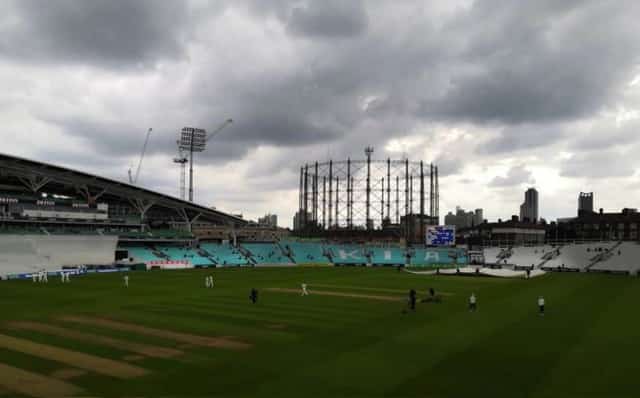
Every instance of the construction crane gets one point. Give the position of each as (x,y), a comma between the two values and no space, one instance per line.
(219,129)
(132,179)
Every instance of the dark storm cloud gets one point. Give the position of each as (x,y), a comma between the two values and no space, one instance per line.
(328,18)
(522,137)
(317,79)
(111,33)
(538,61)
(515,176)
(124,140)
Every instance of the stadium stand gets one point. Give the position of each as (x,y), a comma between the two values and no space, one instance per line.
(306,252)
(491,254)
(188,254)
(577,256)
(386,255)
(437,256)
(26,253)
(224,254)
(621,258)
(267,253)
(142,254)
(528,256)
(346,254)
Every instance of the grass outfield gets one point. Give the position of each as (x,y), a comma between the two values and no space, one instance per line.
(173,337)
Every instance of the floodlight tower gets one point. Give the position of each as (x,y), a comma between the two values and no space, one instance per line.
(182,161)
(368,151)
(195,140)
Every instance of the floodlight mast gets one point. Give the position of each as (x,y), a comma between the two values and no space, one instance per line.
(195,140)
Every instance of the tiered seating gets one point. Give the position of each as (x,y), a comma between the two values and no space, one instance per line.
(224,254)
(527,256)
(622,258)
(267,253)
(577,256)
(347,254)
(306,252)
(436,256)
(186,253)
(387,255)
(491,255)
(142,254)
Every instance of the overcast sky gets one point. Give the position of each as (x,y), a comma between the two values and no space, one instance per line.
(503,95)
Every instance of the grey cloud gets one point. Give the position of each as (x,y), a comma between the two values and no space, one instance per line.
(599,164)
(522,137)
(606,134)
(328,18)
(448,164)
(515,176)
(538,61)
(113,33)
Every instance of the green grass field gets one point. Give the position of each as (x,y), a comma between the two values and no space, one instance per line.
(587,344)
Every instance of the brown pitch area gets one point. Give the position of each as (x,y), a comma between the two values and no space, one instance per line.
(187,338)
(76,359)
(142,349)
(34,385)
(338,294)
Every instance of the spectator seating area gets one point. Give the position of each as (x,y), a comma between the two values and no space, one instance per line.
(436,256)
(225,254)
(267,253)
(618,257)
(577,256)
(347,254)
(623,258)
(305,252)
(386,255)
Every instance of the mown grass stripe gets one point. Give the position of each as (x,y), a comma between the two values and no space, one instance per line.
(77,359)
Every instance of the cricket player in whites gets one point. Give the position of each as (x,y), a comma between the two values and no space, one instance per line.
(472,303)
(541,305)
(126,281)
(304,290)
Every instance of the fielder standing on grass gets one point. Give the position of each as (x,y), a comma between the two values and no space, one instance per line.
(541,305)
(472,303)
(253,295)
(304,290)
(126,281)
(412,300)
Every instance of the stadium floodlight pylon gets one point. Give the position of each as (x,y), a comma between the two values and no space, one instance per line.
(182,161)
(194,139)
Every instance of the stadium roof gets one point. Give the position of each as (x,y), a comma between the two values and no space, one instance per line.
(36,176)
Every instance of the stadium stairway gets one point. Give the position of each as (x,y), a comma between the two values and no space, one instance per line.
(604,256)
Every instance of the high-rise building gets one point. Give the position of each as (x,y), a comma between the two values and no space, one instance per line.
(529,209)
(478,217)
(464,219)
(585,203)
(269,220)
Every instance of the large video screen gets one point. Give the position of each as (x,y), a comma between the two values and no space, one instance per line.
(441,235)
